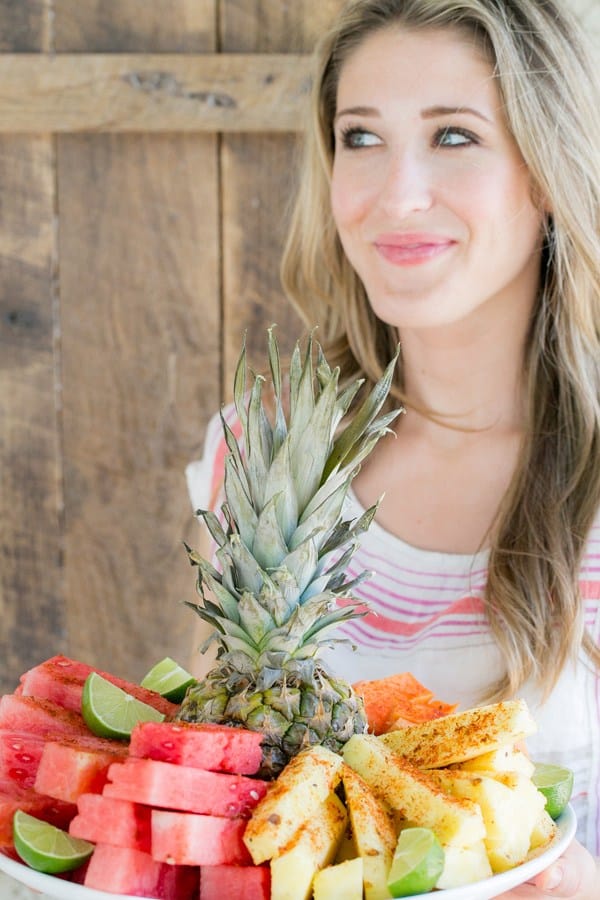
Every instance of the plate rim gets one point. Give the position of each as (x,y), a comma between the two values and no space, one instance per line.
(567,825)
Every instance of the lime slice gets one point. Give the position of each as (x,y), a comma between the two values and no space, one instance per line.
(418,863)
(111,712)
(168,679)
(46,848)
(556,784)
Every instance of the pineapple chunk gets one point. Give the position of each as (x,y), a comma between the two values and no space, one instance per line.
(414,794)
(291,801)
(312,848)
(461,736)
(343,881)
(374,834)
(347,845)
(544,830)
(504,759)
(510,805)
(464,865)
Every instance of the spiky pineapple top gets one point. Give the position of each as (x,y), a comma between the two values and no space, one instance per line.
(283,553)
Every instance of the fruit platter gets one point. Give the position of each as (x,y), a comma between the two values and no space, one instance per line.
(270,778)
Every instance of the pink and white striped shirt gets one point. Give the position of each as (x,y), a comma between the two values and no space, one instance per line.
(427,616)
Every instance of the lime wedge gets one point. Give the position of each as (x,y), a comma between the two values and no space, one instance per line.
(111,712)
(418,863)
(168,679)
(46,848)
(556,784)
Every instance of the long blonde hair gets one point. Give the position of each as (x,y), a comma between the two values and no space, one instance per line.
(551,100)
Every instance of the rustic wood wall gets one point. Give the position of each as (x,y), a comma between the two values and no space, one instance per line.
(146,158)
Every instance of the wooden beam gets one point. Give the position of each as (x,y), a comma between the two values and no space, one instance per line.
(152,92)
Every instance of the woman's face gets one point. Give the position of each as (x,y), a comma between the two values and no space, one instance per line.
(430,195)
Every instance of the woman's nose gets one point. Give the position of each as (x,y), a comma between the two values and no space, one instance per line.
(408,186)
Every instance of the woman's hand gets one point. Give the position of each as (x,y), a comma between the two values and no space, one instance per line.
(575,876)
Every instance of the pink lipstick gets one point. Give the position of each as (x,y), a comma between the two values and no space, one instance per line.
(411,248)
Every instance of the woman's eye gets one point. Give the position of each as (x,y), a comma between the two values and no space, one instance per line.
(454,137)
(357,138)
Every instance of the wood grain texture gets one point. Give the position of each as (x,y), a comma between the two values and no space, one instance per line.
(134,26)
(139,302)
(258,183)
(25,26)
(31,573)
(147,93)
(140,328)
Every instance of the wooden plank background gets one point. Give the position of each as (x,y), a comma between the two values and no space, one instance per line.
(140,236)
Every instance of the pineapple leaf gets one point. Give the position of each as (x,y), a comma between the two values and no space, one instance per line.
(234,449)
(304,403)
(247,574)
(228,603)
(347,530)
(254,617)
(324,515)
(301,564)
(269,547)
(213,525)
(364,416)
(280,481)
(312,446)
(239,503)
(294,376)
(333,618)
(280,429)
(259,441)
(339,587)
(239,388)
(278,596)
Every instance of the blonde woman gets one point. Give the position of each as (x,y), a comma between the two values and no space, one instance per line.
(450,199)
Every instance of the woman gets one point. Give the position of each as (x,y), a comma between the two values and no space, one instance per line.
(450,200)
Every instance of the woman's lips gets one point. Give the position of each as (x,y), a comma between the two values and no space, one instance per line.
(412,249)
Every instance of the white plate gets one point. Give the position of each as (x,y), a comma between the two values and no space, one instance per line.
(60,889)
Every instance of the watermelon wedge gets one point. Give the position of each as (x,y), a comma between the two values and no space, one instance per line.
(61,680)
(20,754)
(183,788)
(119,823)
(247,882)
(122,870)
(218,748)
(190,839)
(68,769)
(42,717)
(13,797)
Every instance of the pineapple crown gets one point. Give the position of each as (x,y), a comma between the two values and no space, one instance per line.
(285,546)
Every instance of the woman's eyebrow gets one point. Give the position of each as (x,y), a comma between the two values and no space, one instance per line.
(433,111)
(357,111)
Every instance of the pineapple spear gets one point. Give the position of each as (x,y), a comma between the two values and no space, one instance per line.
(283,552)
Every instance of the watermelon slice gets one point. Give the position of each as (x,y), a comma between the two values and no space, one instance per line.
(170,786)
(215,747)
(68,769)
(119,823)
(190,840)
(122,870)
(247,882)
(20,754)
(13,797)
(61,680)
(37,716)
